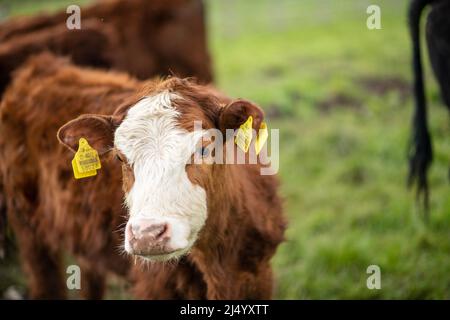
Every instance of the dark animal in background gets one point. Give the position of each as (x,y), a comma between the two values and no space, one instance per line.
(438,40)
(223,222)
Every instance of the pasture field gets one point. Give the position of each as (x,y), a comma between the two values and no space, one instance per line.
(340,95)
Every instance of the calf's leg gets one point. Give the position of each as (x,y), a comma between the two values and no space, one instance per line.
(92,281)
(40,264)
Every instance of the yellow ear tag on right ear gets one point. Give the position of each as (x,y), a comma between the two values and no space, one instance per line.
(86,161)
(261,139)
(244,135)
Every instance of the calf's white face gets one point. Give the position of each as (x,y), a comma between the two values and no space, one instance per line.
(166,209)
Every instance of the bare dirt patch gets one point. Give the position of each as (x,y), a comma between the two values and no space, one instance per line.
(382,86)
(340,100)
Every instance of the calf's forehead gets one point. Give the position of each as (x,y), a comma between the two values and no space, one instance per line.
(152,128)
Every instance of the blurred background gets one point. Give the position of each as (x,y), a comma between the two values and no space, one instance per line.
(341,96)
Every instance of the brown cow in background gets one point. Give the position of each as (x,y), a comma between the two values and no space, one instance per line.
(144,38)
(222,221)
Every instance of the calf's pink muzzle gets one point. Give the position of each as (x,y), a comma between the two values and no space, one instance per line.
(147,237)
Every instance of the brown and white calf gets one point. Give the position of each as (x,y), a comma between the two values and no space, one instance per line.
(220,223)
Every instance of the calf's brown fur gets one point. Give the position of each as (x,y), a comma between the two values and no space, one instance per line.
(51,212)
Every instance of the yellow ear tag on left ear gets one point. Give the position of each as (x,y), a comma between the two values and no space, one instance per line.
(261,139)
(244,135)
(86,161)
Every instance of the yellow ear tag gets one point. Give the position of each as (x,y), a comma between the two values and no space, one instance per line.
(261,139)
(244,135)
(86,161)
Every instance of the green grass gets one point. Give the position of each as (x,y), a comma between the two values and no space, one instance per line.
(338,92)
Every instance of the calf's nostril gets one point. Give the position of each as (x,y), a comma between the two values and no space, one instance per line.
(147,229)
(156,231)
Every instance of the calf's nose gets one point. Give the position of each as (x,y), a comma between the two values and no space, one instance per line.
(147,236)
(149,229)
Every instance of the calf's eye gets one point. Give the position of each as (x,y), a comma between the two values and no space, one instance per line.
(203,151)
(119,158)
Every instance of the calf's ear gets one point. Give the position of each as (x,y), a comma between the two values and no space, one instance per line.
(98,130)
(237,112)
